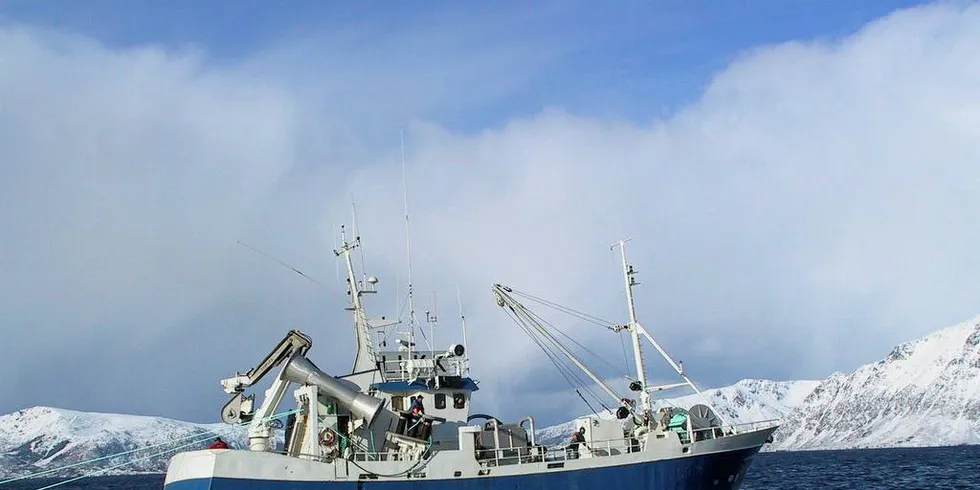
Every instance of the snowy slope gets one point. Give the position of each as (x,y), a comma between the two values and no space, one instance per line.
(925,393)
(41,438)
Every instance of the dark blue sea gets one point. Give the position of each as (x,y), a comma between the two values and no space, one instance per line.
(926,468)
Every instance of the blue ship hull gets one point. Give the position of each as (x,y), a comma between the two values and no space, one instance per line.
(724,470)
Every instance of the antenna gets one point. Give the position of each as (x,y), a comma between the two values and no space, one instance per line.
(408,246)
(462,319)
(432,321)
(357,235)
(333,230)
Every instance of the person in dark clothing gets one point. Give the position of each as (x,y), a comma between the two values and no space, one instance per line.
(577,438)
(416,411)
(417,408)
(218,444)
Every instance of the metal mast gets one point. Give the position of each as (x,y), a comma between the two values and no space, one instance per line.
(637,330)
(364,358)
(634,327)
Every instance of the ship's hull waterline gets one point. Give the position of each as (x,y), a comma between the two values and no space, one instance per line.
(723,468)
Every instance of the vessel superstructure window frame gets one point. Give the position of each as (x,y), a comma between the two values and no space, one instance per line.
(459,401)
(439,401)
(398,403)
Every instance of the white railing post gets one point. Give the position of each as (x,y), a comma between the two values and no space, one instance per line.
(496,443)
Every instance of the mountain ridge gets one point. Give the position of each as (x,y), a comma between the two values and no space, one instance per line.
(925,392)
(932,384)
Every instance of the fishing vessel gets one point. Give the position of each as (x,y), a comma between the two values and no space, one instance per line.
(360,431)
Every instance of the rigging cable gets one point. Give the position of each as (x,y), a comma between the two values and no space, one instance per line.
(278,261)
(557,359)
(562,368)
(626,361)
(566,371)
(584,317)
(572,371)
(544,322)
(578,314)
(116,466)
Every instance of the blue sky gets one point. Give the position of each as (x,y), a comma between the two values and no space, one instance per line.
(797,176)
(637,60)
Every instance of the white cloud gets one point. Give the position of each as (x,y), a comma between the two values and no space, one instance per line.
(813,208)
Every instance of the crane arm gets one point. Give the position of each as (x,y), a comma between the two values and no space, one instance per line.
(295,341)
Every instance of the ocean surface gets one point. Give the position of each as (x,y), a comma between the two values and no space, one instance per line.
(921,468)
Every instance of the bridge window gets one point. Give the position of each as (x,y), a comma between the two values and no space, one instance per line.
(398,403)
(440,401)
(459,401)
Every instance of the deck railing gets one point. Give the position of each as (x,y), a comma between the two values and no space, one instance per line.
(410,369)
(558,454)
(518,455)
(723,431)
(604,448)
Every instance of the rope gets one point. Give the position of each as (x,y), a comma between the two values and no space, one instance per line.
(103,470)
(82,463)
(412,468)
(343,438)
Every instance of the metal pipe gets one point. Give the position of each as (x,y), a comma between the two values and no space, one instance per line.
(302,371)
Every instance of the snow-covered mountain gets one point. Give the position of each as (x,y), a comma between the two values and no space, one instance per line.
(925,393)
(42,438)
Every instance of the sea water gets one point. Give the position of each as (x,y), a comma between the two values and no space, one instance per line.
(887,469)
(919,468)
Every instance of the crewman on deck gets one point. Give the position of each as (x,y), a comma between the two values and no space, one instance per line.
(416,411)
(577,438)
(218,444)
(417,407)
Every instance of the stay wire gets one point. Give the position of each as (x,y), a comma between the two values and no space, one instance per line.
(626,361)
(544,322)
(562,369)
(563,365)
(564,309)
(567,371)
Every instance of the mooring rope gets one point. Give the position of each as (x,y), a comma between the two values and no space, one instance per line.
(210,434)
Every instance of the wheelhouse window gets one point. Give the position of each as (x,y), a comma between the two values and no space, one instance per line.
(459,401)
(398,403)
(440,401)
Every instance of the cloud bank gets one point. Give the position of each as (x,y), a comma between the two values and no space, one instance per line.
(815,206)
